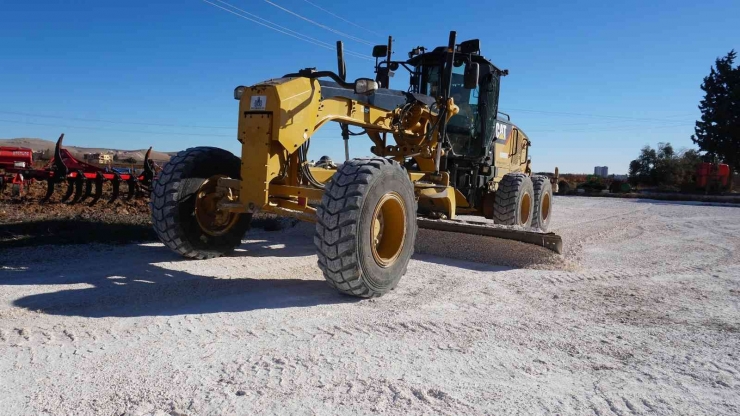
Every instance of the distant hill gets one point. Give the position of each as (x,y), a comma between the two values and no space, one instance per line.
(41,145)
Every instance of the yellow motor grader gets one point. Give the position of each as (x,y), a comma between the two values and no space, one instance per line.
(452,154)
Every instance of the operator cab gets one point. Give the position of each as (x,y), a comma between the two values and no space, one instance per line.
(471,130)
(472,82)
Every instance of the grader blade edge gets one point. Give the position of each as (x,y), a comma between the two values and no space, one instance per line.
(549,241)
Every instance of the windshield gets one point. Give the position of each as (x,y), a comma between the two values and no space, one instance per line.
(463,129)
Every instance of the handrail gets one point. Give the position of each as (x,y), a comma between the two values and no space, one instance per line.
(321,74)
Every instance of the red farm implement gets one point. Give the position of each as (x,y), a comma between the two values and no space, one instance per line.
(14,159)
(80,177)
(713,177)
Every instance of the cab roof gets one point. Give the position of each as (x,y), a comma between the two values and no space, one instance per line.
(434,57)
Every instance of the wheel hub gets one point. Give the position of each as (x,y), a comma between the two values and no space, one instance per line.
(545,207)
(212,220)
(524,209)
(388,229)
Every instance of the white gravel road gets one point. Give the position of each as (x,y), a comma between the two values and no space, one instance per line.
(640,316)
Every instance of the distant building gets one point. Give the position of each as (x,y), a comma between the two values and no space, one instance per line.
(602,171)
(101,158)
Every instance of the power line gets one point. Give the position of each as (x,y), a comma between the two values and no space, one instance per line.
(326,44)
(589,115)
(602,123)
(281,29)
(97,120)
(343,19)
(626,128)
(354,38)
(673,123)
(305,39)
(118,130)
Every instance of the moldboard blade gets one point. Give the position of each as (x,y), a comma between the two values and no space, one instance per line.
(550,241)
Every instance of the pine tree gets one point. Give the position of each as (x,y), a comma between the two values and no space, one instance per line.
(718,132)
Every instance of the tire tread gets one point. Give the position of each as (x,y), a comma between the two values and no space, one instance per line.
(540,183)
(337,224)
(164,204)
(505,203)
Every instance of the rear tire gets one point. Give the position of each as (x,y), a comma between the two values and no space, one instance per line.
(173,202)
(366,227)
(514,201)
(542,202)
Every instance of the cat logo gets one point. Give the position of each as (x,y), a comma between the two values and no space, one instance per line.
(502,132)
(258,102)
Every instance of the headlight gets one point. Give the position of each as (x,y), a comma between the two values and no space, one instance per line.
(238,91)
(365,86)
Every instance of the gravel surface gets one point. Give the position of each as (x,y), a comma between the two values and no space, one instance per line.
(641,315)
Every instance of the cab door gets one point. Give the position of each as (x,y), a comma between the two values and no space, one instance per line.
(515,151)
(519,151)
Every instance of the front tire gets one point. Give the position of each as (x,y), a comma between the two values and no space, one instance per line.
(366,228)
(514,201)
(184,184)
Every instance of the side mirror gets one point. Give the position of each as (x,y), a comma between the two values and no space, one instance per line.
(380,51)
(471,75)
(365,86)
(470,46)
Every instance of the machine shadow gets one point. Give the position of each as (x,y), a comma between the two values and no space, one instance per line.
(70,231)
(159,292)
(132,281)
(88,231)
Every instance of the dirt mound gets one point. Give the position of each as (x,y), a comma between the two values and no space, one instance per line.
(26,221)
(488,250)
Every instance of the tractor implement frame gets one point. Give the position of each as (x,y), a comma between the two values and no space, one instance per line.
(85,180)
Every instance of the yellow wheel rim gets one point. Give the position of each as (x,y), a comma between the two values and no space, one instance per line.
(524,209)
(212,220)
(388,229)
(545,211)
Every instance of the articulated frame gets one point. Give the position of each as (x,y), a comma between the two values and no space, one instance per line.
(277,117)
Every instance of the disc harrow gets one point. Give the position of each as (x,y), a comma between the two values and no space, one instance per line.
(83,180)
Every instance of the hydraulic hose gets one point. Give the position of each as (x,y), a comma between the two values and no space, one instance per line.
(305,169)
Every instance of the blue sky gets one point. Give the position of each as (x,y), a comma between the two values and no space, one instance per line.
(590,82)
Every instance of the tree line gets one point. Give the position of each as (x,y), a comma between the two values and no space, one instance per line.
(665,168)
(717,134)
